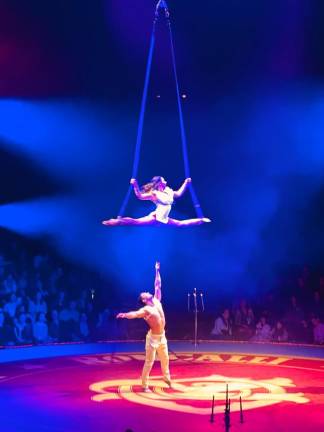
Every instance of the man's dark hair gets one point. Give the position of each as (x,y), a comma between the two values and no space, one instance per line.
(140,301)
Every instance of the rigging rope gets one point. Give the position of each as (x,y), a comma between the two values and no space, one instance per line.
(161,6)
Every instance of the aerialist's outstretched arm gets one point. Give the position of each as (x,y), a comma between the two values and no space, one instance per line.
(140,313)
(157,282)
(182,189)
(140,195)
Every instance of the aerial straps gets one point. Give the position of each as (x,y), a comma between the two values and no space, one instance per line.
(142,114)
(157,190)
(194,198)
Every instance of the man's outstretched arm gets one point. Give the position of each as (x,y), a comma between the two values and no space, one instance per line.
(157,282)
(140,313)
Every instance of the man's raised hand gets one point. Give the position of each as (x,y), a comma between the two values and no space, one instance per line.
(157,266)
(121,315)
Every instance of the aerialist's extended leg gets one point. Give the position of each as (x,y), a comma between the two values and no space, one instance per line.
(187,222)
(151,220)
(145,220)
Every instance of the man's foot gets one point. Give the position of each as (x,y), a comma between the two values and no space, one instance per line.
(205,220)
(147,390)
(168,382)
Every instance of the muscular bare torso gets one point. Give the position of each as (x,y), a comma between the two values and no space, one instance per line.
(154,316)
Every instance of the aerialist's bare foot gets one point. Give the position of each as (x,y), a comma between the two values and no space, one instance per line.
(113,222)
(204,219)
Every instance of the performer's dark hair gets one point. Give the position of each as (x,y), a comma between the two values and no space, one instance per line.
(152,185)
(140,301)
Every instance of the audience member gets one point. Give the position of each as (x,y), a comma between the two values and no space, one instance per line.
(83,327)
(222,327)
(41,329)
(318,331)
(23,329)
(279,333)
(316,305)
(263,331)
(305,333)
(244,321)
(293,318)
(11,305)
(38,305)
(54,330)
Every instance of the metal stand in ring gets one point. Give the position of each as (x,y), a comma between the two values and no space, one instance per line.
(193,307)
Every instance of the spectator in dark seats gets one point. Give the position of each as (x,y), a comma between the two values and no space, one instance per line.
(40,329)
(23,329)
(293,318)
(71,313)
(316,306)
(60,302)
(69,318)
(11,305)
(7,335)
(10,285)
(91,315)
(262,331)
(279,333)
(19,325)
(244,321)
(3,329)
(222,327)
(305,333)
(84,328)
(21,309)
(103,326)
(82,301)
(54,327)
(318,331)
(37,306)
(28,330)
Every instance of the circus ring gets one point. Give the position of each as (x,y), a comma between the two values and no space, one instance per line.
(96,387)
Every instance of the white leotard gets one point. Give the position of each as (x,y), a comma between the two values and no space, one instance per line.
(163,204)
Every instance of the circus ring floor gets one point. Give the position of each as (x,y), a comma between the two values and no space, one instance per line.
(96,387)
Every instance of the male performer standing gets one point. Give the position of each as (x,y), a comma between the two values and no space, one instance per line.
(156,341)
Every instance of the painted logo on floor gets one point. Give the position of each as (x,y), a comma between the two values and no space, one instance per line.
(193,395)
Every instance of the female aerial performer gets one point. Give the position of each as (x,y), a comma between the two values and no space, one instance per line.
(163,197)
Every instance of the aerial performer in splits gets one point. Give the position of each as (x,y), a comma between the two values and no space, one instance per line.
(156,341)
(163,197)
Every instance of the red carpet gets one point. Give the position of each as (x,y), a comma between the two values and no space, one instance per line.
(103,393)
